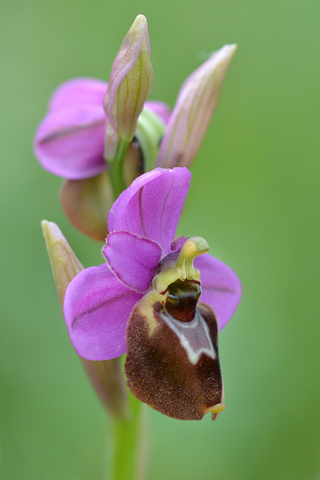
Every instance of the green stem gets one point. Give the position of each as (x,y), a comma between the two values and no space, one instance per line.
(129,444)
(115,166)
(107,379)
(128,426)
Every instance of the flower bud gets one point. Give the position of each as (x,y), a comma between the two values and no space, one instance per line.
(65,265)
(129,86)
(192,113)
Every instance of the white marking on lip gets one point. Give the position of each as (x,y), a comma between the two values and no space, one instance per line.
(198,330)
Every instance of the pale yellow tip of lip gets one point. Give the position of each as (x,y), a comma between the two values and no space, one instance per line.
(218,408)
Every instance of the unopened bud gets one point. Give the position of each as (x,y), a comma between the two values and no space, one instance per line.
(105,376)
(129,86)
(194,108)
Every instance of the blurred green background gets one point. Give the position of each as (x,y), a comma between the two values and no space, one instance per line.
(254,197)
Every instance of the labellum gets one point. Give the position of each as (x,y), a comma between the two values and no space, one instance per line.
(172,339)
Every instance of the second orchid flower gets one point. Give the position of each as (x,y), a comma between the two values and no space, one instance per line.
(89,121)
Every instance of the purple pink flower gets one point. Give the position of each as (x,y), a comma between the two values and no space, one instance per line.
(142,225)
(69,141)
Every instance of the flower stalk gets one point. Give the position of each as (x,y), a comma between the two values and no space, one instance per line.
(116,168)
(128,451)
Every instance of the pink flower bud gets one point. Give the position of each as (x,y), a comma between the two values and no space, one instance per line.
(129,86)
(193,111)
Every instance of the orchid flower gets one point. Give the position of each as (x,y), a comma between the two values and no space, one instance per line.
(89,126)
(69,142)
(158,299)
(89,121)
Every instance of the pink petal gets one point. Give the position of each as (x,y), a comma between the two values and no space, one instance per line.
(70,141)
(96,310)
(159,108)
(178,243)
(221,288)
(133,259)
(78,91)
(152,205)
